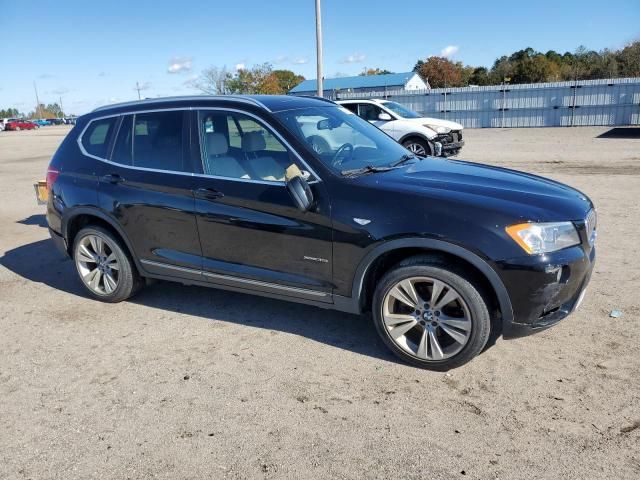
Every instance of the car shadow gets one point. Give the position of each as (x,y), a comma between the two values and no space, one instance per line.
(40,220)
(621,132)
(40,262)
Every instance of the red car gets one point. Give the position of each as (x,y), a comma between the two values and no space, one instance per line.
(15,124)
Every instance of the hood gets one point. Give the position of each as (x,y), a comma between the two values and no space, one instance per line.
(518,196)
(435,121)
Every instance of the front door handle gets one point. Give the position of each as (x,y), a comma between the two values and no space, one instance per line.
(113,178)
(207,193)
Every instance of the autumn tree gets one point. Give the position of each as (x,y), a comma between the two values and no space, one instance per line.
(440,72)
(287,79)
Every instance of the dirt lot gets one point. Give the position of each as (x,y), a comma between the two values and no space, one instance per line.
(185,382)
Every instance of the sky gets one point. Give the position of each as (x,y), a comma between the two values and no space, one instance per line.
(90,53)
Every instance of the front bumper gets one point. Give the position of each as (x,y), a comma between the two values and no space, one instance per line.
(451,148)
(545,289)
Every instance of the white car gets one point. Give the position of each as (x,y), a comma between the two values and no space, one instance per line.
(421,135)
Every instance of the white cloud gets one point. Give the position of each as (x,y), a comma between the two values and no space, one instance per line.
(449,51)
(354,58)
(300,61)
(280,59)
(240,66)
(180,65)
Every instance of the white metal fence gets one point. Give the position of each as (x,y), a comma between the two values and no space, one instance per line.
(614,102)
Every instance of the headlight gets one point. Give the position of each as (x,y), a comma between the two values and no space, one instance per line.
(438,128)
(544,237)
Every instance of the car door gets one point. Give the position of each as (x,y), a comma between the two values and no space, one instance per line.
(147,185)
(252,234)
(371,112)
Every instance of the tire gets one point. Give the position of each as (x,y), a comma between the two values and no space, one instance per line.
(113,284)
(440,338)
(17,129)
(416,145)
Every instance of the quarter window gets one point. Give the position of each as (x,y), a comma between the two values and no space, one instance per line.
(234,145)
(97,136)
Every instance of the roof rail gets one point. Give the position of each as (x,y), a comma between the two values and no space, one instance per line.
(237,98)
(315,97)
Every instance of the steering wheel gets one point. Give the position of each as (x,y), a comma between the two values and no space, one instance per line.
(338,158)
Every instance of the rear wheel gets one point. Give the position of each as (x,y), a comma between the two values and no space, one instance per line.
(417,146)
(104,267)
(430,315)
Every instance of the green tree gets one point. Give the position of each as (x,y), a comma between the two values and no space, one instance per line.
(287,80)
(374,71)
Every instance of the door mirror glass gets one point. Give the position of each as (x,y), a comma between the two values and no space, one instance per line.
(300,193)
(385,117)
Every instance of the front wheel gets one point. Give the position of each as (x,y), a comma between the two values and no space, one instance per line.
(417,146)
(430,315)
(104,268)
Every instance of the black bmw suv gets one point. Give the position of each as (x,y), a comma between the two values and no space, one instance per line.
(299,199)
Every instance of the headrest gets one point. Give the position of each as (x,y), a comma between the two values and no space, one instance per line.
(253,142)
(216,144)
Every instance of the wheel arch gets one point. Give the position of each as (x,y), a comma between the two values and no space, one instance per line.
(418,136)
(390,253)
(79,217)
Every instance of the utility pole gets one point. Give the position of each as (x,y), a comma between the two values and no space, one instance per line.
(61,110)
(319,48)
(138,89)
(37,100)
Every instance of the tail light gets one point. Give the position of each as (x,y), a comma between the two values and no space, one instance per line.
(52,176)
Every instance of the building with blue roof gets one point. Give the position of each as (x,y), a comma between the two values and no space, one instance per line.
(363,83)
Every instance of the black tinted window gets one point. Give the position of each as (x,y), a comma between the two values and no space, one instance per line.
(157,141)
(122,152)
(352,107)
(96,137)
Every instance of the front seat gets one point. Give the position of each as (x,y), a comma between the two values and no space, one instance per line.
(263,166)
(217,162)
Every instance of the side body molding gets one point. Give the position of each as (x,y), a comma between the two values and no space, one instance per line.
(436,245)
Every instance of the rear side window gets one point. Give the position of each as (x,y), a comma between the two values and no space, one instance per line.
(151,140)
(97,136)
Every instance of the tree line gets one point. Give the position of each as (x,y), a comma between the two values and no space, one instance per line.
(531,66)
(51,110)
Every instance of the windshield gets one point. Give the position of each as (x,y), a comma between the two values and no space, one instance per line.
(398,109)
(341,139)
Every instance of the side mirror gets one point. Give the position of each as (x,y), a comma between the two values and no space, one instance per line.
(300,193)
(385,117)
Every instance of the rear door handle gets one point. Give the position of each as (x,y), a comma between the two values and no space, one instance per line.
(207,193)
(113,178)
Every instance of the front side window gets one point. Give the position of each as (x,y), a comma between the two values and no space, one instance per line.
(340,139)
(151,140)
(235,145)
(369,112)
(97,136)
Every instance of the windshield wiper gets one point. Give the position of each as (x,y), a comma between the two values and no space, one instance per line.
(403,159)
(364,170)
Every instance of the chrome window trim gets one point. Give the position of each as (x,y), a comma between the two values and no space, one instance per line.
(315,177)
(191,98)
(234,279)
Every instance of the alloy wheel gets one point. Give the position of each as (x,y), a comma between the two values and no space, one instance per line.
(97,264)
(417,149)
(427,318)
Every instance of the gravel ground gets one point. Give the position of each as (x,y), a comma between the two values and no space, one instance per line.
(187,382)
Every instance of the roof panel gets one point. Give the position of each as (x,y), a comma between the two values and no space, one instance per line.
(360,81)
